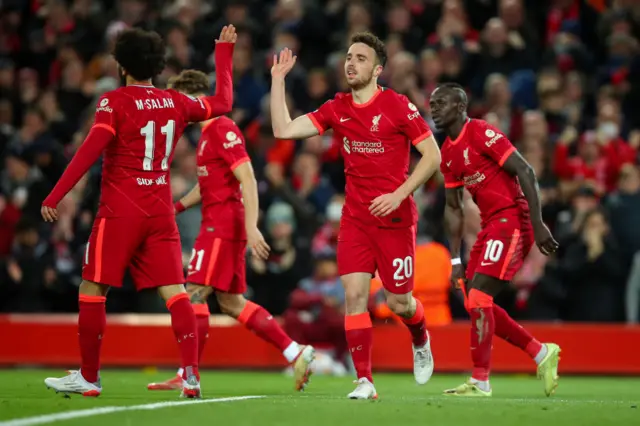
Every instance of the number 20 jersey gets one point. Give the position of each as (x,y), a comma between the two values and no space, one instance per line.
(147,122)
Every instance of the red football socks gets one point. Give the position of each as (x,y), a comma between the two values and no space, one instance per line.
(482,330)
(261,322)
(92,322)
(360,340)
(183,322)
(202,324)
(514,333)
(417,326)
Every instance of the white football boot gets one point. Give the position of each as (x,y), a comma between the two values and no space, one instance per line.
(73,383)
(364,390)
(423,362)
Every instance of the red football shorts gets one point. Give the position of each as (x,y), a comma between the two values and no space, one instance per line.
(218,263)
(391,251)
(149,246)
(501,248)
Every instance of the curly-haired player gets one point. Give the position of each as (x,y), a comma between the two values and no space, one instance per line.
(137,127)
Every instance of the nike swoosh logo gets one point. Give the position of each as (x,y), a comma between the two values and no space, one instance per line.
(449,163)
(486,263)
(342,120)
(400,284)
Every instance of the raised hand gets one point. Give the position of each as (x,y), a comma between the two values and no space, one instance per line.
(283,63)
(228,35)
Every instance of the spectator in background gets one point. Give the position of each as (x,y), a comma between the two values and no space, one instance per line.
(316,309)
(326,239)
(593,273)
(273,280)
(623,207)
(28,276)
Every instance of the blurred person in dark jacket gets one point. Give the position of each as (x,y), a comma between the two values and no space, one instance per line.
(316,308)
(22,184)
(592,271)
(623,207)
(28,277)
(274,279)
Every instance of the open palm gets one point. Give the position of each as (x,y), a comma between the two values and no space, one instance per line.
(228,35)
(283,63)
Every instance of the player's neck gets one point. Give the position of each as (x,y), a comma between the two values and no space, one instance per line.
(364,95)
(454,131)
(133,82)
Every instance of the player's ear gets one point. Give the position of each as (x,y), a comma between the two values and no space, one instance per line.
(377,71)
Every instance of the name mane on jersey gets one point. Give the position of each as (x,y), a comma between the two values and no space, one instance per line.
(161,103)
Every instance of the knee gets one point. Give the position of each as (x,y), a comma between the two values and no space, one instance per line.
(479,299)
(231,304)
(401,306)
(198,294)
(356,298)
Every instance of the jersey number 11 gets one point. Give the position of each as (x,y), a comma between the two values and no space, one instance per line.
(149,133)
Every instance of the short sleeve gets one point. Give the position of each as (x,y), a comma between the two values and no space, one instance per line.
(450,180)
(322,118)
(493,143)
(231,145)
(105,116)
(195,109)
(411,123)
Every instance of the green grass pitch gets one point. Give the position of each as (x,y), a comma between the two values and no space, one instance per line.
(516,401)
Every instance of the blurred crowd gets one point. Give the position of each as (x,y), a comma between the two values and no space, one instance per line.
(560,77)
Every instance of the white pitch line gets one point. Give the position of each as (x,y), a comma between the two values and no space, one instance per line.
(68,415)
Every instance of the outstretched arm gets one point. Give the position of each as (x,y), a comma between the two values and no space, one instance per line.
(516,165)
(283,127)
(88,153)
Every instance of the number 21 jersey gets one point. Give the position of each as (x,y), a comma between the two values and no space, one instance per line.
(147,122)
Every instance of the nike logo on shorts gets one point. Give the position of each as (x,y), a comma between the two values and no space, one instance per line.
(486,263)
(401,284)
(342,120)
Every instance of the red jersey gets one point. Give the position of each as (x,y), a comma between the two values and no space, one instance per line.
(146,123)
(136,127)
(220,150)
(376,143)
(475,160)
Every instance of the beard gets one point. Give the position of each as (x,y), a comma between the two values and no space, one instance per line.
(361,83)
(123,77)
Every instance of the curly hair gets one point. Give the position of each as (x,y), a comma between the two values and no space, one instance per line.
(140,53)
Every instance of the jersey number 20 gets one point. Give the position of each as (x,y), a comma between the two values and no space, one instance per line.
(149,133)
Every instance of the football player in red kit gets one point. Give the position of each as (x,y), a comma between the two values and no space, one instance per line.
(480,158)
(377,231)
(228,191)
(137,126)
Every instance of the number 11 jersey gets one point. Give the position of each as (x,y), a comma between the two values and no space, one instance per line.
(146,123)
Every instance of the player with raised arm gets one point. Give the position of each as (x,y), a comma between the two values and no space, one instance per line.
(377,127)
(480,158)
(228,191)
(137,126)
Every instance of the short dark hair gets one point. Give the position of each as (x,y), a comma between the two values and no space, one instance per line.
(458,89)
(191,82)
(141,53)
(373,42)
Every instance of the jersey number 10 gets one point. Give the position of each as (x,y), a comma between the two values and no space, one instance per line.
(149,133)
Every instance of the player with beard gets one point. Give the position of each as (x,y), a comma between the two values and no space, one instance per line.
(377,231)
(137,127)
(480,158)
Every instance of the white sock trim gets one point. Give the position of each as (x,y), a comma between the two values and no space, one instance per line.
(180,372)
(292,351)
(541,354)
